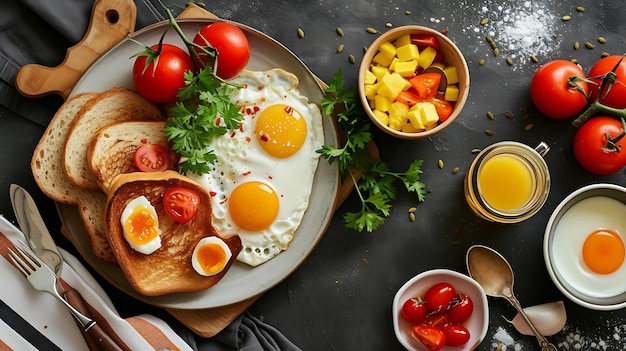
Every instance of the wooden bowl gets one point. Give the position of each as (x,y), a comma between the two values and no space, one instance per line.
(451,56)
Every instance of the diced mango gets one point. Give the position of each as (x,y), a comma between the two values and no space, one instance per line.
(403,40)
(382,59)
(391,85)
(427,56)
(369,77)
(388,48)
(408,52)
(379,71)
(392,65)
(427,114)
(414,117)
(371,90)
(452,92)
(451,74)
(397,115)
(382,103)
(406,68)
(409,128)
(383,117)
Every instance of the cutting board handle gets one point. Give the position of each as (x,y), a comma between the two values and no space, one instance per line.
(111,21)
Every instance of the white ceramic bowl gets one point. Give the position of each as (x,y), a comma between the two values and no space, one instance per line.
(477,324)
(573,290)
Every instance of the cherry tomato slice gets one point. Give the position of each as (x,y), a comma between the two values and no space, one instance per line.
(152,158)
(456,334)
(433,338)
(461,308)
(424,40)
(426,84)
(409,97)
(439,296)
(444,108)
(414,310)
(180,203)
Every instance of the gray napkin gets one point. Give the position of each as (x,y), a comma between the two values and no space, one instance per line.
(35,31)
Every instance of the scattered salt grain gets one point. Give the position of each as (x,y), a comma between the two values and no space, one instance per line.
(502,337)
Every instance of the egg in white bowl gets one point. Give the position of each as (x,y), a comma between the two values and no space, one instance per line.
(584,246)
(262,180)
(140,224)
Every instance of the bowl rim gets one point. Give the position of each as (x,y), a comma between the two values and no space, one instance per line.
(571,199)
(440,272)
(366,61)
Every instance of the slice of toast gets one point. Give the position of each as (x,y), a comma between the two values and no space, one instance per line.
(169,268)
(112,149)
(111,106)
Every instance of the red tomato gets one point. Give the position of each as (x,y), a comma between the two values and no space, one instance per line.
(456,334)
(461,308)
(552,92)
(426,84)
(433,338)
(181,203)
(593,150)
(231,45)
(616,96)
(424,40)
(444,108)
(414,310)
(161,79)
(439,296)
(152,158)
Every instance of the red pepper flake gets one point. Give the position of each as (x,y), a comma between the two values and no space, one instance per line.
(244,85)
(364,260)
(288,109)
(218,120)
(265,137)
(144,141)
(212,193)
(241,127)
(248,139)
(270,177)
(256,108)
(247,173)
(445,31)
(232,135)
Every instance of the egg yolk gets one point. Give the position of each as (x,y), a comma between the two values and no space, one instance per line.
(281,130)
(141,225)
(253,206)
(211,258)
(603,251)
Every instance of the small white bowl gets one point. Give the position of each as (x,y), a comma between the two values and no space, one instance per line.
(477,324)
(572,289)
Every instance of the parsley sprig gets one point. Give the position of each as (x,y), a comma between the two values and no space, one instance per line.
(375,187)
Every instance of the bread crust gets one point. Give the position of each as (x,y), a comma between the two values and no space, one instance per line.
(169,268)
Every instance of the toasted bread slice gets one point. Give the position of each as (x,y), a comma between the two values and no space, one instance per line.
(169,268)
(111,106)
(112,149)
(51,179)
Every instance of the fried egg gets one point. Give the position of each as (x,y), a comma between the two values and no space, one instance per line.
(140,224)
(210,256)
(588,246)
(262,179)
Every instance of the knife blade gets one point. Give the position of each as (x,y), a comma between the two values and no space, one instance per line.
(41,242)
(32,225)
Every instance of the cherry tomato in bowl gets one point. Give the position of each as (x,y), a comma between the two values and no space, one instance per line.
(616,95)
(414,310)
(557,90)
(181,203)
(230,44)
(439,296)
(593,147)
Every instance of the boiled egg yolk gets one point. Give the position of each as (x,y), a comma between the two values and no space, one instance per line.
(281,130)
(140,224)
(253,206)
(210,256)
(603,251)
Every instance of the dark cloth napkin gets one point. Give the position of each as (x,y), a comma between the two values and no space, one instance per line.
(34,31)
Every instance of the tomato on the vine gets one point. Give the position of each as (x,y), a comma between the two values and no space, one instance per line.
(152,158)
(555,90)
(439,296)
(461,308)
(616,95)
(159,75)
(595,147)
(181,203)
(230,44)
(456,334)
(414,310)
(433,338)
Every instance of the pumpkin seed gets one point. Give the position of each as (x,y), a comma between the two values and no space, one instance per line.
(300,33)
(351,59)
(412,216)
(574,61)
(528,127)
(412,209)
(605,54)
(601,40)
(490,115)
(340,31)
(475,151)
(481,62)
(407,12)
(388,25)
(508,115)
(576,45)
(566,18)
(588,45)
(484,21)
(496,52)
(580,9)
(509,61)
(371,30)
(489,39)
(340,48)
(455,170)
(489,132)
(534,58)
(440,164)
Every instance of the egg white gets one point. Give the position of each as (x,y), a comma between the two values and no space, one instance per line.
(153,244)
(195,262)
(575,225)
(242,159)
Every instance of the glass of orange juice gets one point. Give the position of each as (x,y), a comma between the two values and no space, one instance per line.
(508,182)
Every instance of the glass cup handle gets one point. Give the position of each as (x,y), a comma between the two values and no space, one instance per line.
(542,148)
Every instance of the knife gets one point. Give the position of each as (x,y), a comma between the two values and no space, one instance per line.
(41,242)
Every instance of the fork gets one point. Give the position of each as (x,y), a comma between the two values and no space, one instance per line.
(42,278)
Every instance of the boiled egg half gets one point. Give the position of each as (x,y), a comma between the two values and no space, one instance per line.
(140,224)
(210,256)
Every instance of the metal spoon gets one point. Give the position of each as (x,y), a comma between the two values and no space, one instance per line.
(492,271)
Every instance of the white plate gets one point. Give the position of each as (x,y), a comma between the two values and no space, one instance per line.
(241,282)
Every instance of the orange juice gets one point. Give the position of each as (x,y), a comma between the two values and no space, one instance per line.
(505,182)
